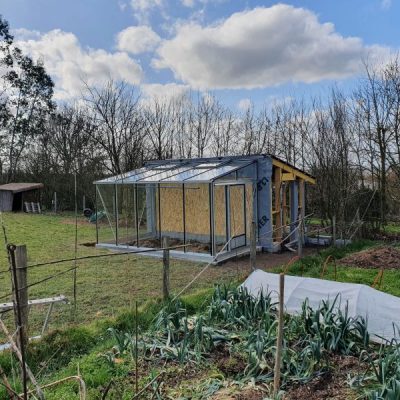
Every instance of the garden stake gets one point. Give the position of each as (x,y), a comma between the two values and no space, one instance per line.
(165,244)
(136,349)
(76,240)
(278,355)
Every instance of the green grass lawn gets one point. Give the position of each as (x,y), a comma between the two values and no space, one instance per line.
(105,286)
(311,266)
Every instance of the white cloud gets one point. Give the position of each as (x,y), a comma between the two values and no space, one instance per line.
(137,39)
(244,104)
(144,5)
(70,64)
(386,4)
(26,34)
(259,48)
(163,92)
(142,8)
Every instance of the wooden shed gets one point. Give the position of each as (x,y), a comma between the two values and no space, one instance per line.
(206,204)
(14,195)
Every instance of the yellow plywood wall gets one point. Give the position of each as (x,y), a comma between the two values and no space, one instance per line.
(237,210)
(219,211)
(197,209)
(171,203)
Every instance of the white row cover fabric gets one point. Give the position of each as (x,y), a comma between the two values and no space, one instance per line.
(381,310)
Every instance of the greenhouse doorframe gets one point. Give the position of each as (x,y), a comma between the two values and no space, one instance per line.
(234,239)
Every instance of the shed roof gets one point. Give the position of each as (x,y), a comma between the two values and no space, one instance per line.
(195,170)
(21,187)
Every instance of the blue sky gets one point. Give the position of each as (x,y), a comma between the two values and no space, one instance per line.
(239,50)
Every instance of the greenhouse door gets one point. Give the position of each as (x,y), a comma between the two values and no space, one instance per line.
(236,216)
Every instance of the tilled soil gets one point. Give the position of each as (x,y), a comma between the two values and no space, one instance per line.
(385,257)
(331,385)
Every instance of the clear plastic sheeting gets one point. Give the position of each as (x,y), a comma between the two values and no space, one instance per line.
(380,310)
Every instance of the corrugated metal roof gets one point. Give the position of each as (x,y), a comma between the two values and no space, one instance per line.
(21,186)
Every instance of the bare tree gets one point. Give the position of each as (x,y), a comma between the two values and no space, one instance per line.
(116,113)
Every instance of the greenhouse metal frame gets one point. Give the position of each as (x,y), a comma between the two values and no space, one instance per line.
(205,206)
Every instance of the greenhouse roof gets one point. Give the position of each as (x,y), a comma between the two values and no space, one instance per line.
(196,170)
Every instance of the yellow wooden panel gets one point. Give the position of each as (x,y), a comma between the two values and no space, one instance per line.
(296,172)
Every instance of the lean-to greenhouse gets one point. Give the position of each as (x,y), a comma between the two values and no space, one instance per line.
(207,204)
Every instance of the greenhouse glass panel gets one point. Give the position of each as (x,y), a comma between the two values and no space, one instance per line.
(106,214)
(147,215)
(126,216)
(220,226)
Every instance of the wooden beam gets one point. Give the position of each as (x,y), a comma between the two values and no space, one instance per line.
(288,176)
(294,171)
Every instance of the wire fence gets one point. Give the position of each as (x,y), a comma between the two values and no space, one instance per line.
(100,285)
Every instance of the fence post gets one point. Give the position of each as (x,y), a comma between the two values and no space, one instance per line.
(334,230)
(55,202)
(278,354)
(18,261)
(253,248)
(300,240)
(165,244)
(20,282)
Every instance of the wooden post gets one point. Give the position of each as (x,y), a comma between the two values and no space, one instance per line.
(253,246)
(83,202)
(165,268)
(278,354)
(20,282)
(300,239)
(356,232)
(55,202)
(18,263)
(136,349)
(334,230)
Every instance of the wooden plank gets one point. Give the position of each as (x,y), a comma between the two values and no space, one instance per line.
(296,172)
(288,176)
(36,302)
